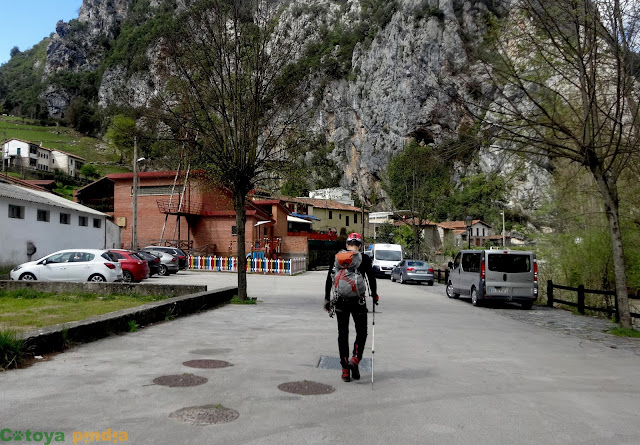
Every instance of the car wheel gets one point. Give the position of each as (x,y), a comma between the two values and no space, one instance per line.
(450,292)
(97,278)
(164,270)
(28,276)
(127,276)
(393,280)
(401,280)
(474,297)
(527,305)
(430,282)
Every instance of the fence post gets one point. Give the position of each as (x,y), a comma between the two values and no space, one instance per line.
(446,276)
(581,299)
(549,293)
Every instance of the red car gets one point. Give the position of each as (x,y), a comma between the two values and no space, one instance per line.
(134,268)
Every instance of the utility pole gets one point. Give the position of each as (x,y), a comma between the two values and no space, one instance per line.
(504,235)
(134,206)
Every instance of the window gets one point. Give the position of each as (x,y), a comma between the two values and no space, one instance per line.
(33,162)
(43,215)
(330,214)
(355,218)
(97,223)
(234,230)
(509,263)
(339,215)
(16,211)
(471,262)
(346,220)
(83,221)
(65,218)
(483,231)
(157,189)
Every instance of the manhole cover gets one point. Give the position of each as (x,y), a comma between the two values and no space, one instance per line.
(180,380)
(205,415)
(207,363)
(306,388)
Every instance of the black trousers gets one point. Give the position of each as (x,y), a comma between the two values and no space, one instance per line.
(346,308)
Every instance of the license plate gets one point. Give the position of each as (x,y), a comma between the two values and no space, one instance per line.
(498,290)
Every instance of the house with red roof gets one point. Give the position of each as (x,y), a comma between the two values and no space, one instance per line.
(481,232)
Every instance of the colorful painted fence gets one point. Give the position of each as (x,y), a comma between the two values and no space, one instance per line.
(254,265)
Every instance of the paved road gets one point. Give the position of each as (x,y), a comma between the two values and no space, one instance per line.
(445,373)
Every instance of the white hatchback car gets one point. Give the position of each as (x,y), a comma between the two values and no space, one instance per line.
(71,265)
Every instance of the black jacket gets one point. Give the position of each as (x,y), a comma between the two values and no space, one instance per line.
(365,269)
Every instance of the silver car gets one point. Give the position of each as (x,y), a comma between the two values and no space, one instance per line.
(413,270)
(168,262)
(71,265)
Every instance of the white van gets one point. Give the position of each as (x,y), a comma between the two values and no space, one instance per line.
(494,275)
(384,258)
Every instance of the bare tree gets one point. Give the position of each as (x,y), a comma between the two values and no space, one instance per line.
(235,93)
(564,73)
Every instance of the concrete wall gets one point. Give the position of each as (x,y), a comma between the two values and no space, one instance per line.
(48,237)
(167,290)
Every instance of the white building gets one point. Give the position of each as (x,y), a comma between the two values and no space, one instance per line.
(337,194)
(34,223)
(24,154)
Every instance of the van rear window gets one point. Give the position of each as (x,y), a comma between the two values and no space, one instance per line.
(509,263)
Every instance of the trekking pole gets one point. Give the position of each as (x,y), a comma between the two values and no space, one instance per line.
(373,341)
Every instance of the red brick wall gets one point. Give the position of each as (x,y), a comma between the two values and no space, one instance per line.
(294,246)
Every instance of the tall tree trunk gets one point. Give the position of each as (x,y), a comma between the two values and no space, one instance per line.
(609,194)
(241,219)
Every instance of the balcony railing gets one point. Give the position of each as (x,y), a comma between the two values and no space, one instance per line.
(173,207)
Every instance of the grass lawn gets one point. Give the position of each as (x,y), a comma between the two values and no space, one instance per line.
(25,309)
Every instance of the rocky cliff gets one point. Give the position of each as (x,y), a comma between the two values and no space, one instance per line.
(403,85)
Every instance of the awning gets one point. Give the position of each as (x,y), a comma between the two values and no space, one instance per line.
(300,215)
(297,220)
(261,222)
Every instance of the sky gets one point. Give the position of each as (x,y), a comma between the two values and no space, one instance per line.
(27,22)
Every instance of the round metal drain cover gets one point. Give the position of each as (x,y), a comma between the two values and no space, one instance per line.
(205,415)
(207,363)
(180,380)
(306,388)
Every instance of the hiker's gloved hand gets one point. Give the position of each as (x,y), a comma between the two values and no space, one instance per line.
(376,298)
(326,305)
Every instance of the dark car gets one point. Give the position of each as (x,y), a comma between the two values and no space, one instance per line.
(413,270)
(182,257)
(152,260)
(134,268)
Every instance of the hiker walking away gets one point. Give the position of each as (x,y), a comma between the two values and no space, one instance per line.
(345,292)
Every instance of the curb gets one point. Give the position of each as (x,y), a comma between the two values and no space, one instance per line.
(57,337)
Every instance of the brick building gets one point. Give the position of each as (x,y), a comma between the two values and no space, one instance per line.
(198,216)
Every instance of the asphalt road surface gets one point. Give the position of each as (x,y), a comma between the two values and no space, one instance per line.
(445,373)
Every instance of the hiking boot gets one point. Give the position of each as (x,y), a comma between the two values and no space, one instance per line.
(353,364)
(345,375)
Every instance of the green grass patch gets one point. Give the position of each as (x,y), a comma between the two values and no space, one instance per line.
(236,300)
(26,309)
(12,350)
(624,332)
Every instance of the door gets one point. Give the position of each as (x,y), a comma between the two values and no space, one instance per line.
(79,266)
(455,275)
(56,267)
(470,275)
(510,274)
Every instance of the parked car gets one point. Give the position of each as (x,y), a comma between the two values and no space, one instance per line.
(134,268)
(168,262)
(179,253)
(494,275)
(71,265)
(152,260)
(413,270)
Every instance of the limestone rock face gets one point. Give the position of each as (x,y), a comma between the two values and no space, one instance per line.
(405,84)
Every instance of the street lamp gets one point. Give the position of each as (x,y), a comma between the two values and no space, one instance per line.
(134,205)
(467,222)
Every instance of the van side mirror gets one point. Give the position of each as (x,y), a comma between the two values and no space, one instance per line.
(450,265)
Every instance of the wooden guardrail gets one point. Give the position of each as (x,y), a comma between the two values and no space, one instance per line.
(441,275)
(580,304)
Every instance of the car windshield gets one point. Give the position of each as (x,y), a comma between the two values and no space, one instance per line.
(509,263)
(109,256)
(416,263)
(388,255)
